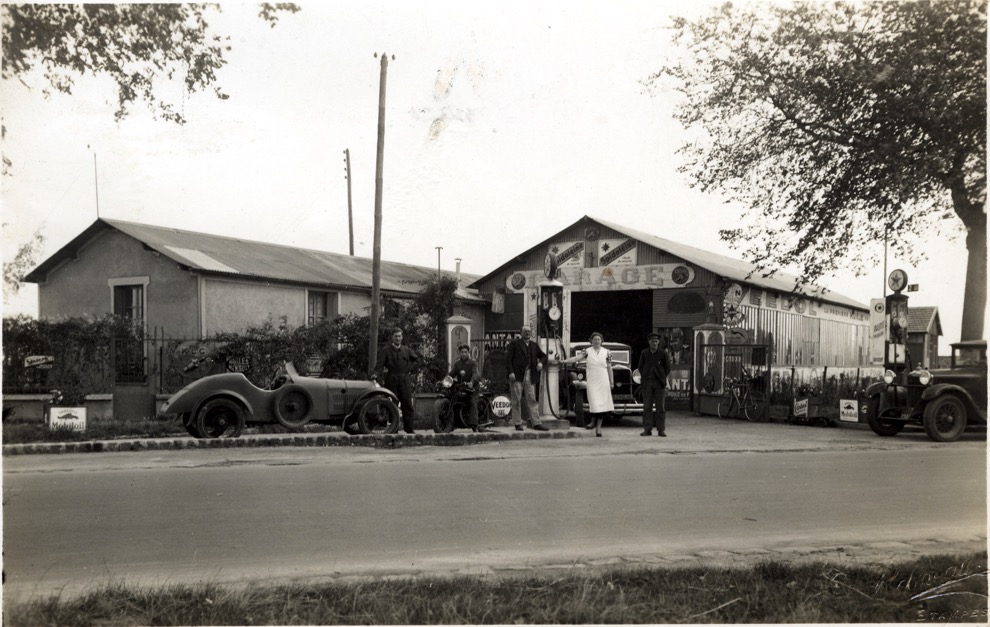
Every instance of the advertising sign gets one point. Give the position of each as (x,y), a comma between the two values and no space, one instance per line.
(878,329)
(501,406)
(617,252)
(608,278)
(498,340)
(73,418)
(848,410)
(800,408)
(569,254)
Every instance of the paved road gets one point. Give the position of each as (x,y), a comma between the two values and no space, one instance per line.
(722,489)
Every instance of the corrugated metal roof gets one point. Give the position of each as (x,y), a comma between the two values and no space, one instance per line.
(732,268)
(261,260)
(924,320)
(721,265)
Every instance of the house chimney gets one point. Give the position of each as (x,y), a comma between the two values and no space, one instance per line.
(458,274)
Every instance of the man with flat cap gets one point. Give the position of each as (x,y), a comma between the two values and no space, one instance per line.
(654,368)
(525,360)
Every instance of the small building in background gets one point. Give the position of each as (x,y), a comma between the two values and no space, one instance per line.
(924,329)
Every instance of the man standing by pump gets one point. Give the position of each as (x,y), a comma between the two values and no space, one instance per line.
(525,360)
(654,368)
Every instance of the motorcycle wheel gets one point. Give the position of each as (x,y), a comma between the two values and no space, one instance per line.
(485,415)
(443,416)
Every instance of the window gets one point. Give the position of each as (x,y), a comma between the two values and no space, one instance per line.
(128,300)
(320,306)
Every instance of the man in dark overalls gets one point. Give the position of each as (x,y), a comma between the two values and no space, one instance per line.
(654,368)
(396,362)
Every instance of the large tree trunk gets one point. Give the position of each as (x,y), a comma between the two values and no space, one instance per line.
(975,299)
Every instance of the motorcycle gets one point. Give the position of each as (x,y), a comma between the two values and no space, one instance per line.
(452,410)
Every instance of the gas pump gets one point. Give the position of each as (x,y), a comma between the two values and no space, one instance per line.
(896,357)
(549,327)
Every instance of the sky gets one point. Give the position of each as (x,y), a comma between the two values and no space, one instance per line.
(505,123)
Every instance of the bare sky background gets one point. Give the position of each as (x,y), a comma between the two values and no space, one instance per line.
(505,123)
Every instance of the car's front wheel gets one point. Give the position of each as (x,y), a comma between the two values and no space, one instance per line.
(945,418)
(378,415)
(875,419)
(220,418)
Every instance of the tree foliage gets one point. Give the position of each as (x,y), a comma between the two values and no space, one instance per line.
(837,123)
(136,45)
(22,262)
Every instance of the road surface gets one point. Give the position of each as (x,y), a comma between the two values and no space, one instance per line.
(74,522)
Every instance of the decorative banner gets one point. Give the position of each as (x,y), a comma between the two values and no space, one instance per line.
(569,254)
(878,329)
(617,252)
(608,278)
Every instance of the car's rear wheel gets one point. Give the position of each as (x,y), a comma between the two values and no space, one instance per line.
(945,418)
(378,415)
(190,425)
(293,406)
(220,418)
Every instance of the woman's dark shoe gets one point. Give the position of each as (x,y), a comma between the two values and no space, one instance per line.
(598,434)
(591,426)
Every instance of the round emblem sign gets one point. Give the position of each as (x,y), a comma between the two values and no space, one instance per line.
(501,406)
(680,275)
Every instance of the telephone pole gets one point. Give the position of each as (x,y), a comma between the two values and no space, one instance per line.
(376,271)
(350,214)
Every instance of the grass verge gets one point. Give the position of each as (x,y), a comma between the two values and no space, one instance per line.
(946,588)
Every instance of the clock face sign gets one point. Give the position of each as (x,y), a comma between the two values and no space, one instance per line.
(554,313)
(897,280)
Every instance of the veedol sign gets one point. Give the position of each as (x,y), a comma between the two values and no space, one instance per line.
(607,278)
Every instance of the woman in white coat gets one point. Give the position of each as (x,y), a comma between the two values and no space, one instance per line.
(600,378)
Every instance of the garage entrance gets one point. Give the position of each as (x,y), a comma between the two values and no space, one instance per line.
(624,317)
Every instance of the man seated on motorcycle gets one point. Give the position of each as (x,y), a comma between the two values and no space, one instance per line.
(465,370)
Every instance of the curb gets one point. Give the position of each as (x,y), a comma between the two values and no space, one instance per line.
(389,441)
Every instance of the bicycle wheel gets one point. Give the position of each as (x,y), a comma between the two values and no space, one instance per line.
(754,406)
(727,406)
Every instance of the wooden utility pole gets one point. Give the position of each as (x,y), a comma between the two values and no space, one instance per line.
(376,271)
(350,213)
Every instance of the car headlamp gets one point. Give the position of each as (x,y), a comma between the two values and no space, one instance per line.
(888,376)
(447,381)
(924,377)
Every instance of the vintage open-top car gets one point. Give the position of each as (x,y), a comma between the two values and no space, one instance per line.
(626,397)
(222,405)
(944,401)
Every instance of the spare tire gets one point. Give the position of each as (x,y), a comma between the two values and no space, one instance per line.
(293,406)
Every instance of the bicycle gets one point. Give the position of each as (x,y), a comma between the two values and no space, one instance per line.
(740,398)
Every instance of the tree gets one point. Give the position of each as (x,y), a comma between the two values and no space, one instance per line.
(838,123)
(136,45)
(25,259)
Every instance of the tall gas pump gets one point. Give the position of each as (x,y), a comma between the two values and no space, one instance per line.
(896,357)
(549,327)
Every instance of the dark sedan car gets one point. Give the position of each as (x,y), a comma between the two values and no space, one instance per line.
(944,401)
(626,396)
(221,405)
